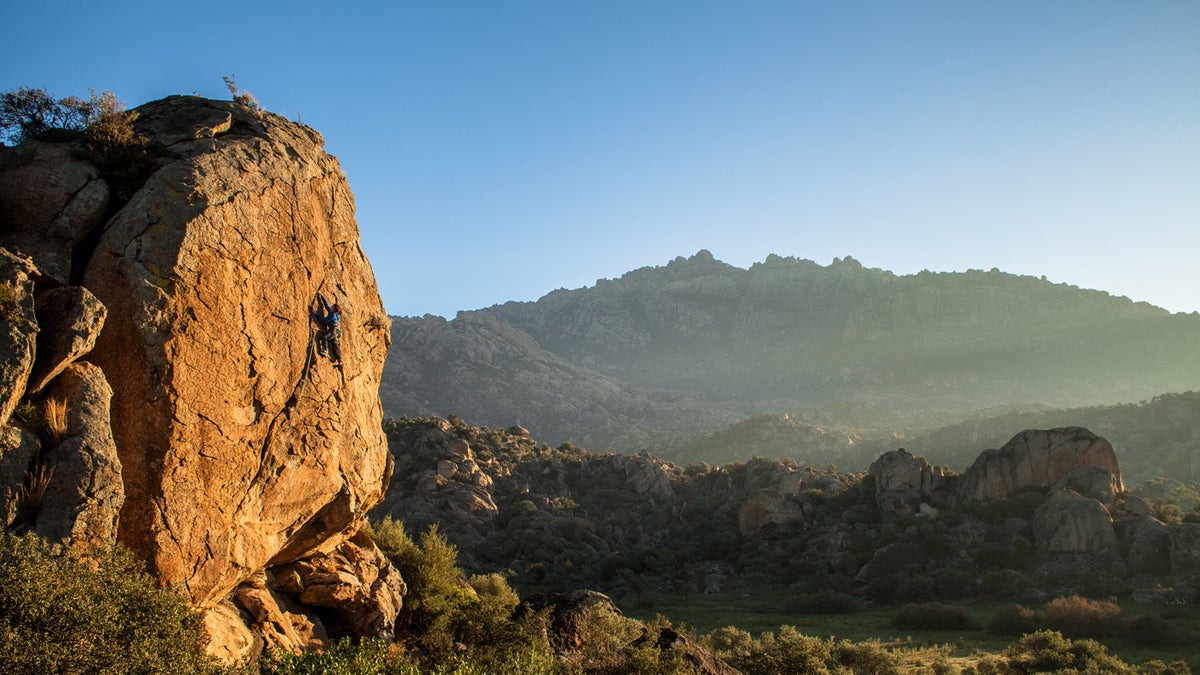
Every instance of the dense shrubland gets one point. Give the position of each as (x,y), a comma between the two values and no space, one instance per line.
(568,518)
(63,613)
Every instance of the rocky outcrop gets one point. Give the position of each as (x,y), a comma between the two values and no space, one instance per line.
(569,613)
(702,660)
(1071,531)
(765,507)
(355,581)
(84,496)
(893,559)
(452,491)
(1145,544)
(69,321)
(203,431)
(18,329)
(53,202)
(277,620)
(18,451)
(644,474)
(903,482)
(1184,547)
(239,449)
(1037,458)
(1094,482)
(230,638)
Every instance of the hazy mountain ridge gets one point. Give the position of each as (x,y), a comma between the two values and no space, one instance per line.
(493,372)
(704,341)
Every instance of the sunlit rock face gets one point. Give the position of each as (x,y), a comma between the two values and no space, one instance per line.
(1038,458)
(239,448)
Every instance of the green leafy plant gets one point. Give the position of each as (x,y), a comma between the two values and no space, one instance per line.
(935,616)
(445,617)
(344,657)
(60,613)
(27,112)
(28,413)
(1047,651)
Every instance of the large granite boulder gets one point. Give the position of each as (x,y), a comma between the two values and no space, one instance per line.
(1073,531)
(70,319)
(230,638)
(355,582)
(1095,482)
(1037,458)
(903,482)
(1145,544)
(569,613)
(646,475)
(767,506)
(274,619)
(1184,547)
(893,559)
(84,496)
(701,660)
(239,448)
(51,202)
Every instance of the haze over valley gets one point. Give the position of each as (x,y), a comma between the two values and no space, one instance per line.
(663,358)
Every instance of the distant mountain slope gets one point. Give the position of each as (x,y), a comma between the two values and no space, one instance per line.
(486,371)
(698,344)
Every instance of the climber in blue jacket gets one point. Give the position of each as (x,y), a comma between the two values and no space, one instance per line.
(329,339)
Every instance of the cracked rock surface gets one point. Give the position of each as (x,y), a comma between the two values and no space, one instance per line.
(239,447)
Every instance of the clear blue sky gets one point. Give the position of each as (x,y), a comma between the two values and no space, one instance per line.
(500,150)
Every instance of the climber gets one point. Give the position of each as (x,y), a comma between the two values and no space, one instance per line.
(329,339)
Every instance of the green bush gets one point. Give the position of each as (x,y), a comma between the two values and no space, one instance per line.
(864,657)
(824,602)
(1079,617)
(1153,630)
(1073,616)
(1013,620)
(935,616)
(614,644)
(28,112)
(449,619)
(434,590)
(1049,652)
(60,613)
(790,651)
(367,657)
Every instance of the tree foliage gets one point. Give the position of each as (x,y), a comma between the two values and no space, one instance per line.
(27,112)
(60,613)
